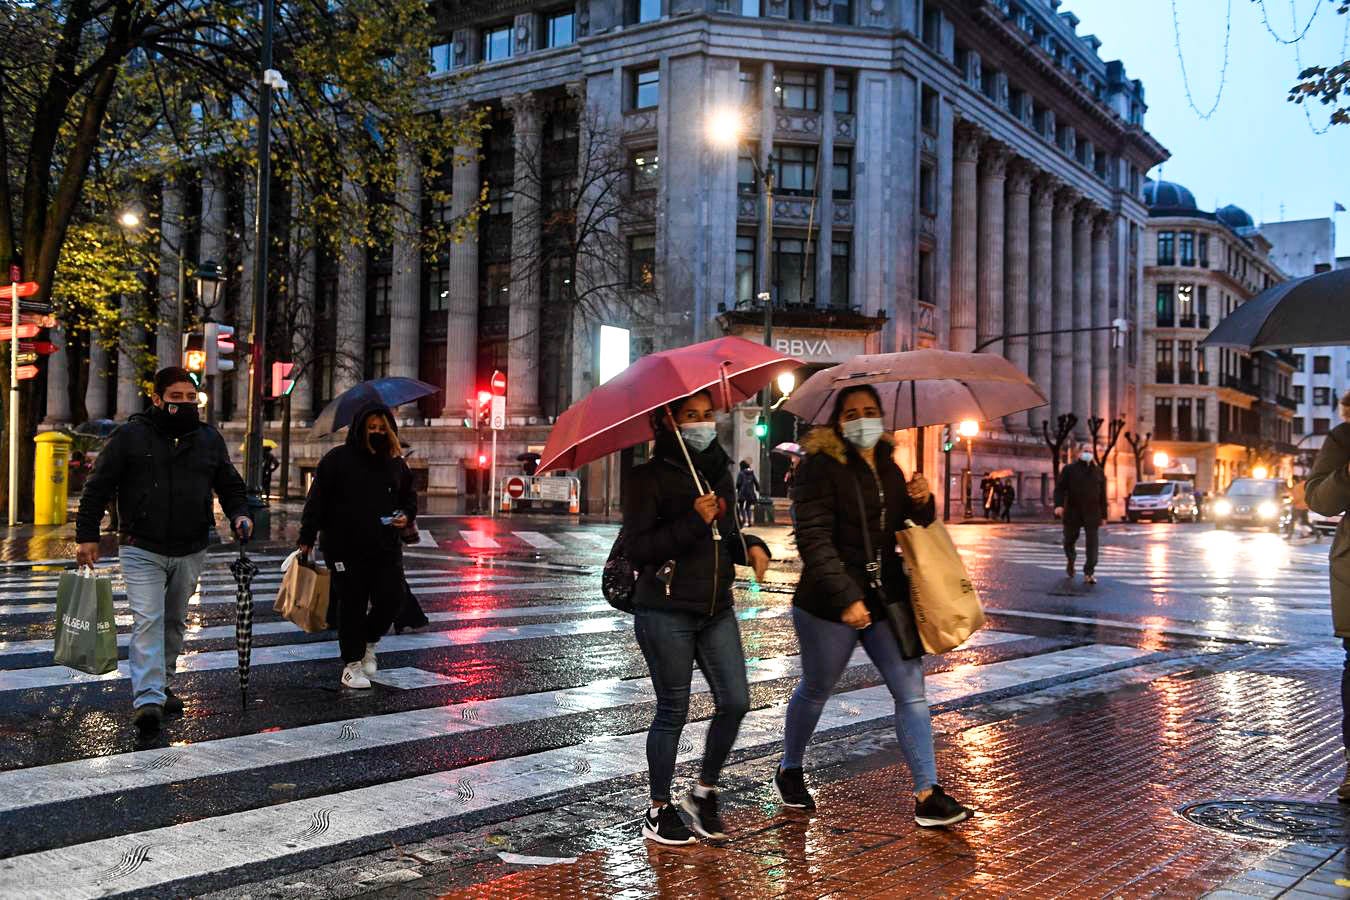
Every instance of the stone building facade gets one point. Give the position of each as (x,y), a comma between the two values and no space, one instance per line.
(947,172)
(1216,413)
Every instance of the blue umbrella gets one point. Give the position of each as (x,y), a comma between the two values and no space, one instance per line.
(390,392)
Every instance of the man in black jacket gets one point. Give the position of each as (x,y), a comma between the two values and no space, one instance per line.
(163,466)
(1080,500)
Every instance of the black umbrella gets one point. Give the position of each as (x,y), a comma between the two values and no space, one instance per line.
(388,392)
(243,569)
(97,427)
(1306,312)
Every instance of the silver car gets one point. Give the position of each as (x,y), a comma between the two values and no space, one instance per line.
(1162,501)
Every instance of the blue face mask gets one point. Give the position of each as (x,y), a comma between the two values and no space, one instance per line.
(863,433)
(699,435)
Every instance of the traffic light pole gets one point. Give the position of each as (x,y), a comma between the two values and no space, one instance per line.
(258,338)
(14,404)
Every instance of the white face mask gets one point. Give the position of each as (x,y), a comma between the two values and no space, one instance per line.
(699,435)
(863,433)
(1086,456)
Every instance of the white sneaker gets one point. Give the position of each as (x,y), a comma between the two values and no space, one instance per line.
(353,677)
(368,664)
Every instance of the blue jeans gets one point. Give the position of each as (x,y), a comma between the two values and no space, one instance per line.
(826,647)
(158,588)
(672,642)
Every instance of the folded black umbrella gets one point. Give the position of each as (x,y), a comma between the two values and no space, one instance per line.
(1305,312)
(390,392)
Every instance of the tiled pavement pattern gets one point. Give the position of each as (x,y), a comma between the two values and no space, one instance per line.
(1077,797)
(1297,872)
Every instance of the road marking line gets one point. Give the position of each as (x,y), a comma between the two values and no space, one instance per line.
(479,540)
(268,834)
(538,540)
(1134,626)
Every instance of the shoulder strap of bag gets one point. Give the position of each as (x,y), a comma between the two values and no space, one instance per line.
(873,562)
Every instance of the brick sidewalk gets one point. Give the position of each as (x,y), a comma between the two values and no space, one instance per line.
(1077,799)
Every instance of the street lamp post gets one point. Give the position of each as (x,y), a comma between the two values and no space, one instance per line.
(968,429)
(724,130)
(210,279)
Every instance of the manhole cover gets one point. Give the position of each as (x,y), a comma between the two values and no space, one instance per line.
(1314,823)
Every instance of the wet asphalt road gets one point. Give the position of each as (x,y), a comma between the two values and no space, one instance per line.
(517,622)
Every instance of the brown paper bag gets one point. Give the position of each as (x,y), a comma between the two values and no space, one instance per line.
(303,596)
(946,608)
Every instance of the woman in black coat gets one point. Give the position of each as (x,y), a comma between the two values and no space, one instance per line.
(361,500)
(683,537)
(850,497)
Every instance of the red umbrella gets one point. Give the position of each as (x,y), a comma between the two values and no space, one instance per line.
(617,415)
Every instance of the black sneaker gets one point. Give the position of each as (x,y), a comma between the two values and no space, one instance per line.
(148,718)
(173,704)
(939,810)
(791,787)
(665,826)
(1089,579)
(704,815)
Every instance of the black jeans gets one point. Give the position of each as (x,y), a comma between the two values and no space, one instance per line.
(1071,530)
(1345,696)
(672,642)
(369,594)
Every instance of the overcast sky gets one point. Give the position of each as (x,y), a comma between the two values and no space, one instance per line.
(1257,149)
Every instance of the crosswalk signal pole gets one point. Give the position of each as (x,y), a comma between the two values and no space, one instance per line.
(14,402)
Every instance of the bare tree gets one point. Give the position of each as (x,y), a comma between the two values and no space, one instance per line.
(1138,446)
(1064,427)
(1114,428)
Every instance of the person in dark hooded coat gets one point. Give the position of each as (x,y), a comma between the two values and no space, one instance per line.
(684,539)
(360,502)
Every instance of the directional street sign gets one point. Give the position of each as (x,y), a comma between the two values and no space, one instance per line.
(27,357)
(26,372)
(41,348)
(25,331)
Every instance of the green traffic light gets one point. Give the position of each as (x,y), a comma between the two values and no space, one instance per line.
(761,430)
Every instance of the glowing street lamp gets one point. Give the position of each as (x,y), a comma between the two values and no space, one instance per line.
(129,219)
(968,429)
(1260,472)
(786,382)
(1161,460)
(725,127)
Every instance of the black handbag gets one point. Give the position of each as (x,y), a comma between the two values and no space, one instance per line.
(899,614)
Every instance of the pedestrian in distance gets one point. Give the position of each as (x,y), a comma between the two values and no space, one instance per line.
(361,501)
(270,464)
(851,498)
(1328,492)
(1080,502)
(1008,496)
(681,534)
(747,493)
(990,496)
(163,465)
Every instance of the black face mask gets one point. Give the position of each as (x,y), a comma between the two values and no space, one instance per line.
(176,419)
(378,442)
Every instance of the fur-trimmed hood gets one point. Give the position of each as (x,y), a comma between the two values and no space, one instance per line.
(825,440)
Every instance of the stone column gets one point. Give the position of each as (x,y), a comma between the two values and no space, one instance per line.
(1016,281)
(128,378)
(405,300)
(1042,292)
(96,386)
(1082,313)
(767,121)
(168,350)
(1061,304)
(824,236)
(1101,317)
(211,248)
(350,367)
(522,366)
(461,335)
(58,380)
(304,287)
(989,243)
(965,216)
(243,313)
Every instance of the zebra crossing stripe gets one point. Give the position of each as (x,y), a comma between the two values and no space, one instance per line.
(538,540)
(479,540)
(221,632)
(268,836)
(98,776)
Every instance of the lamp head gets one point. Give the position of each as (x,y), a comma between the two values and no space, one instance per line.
(786,382)
(968,428)
(724,128)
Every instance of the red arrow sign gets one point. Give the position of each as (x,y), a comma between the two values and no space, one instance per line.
(41,348)
(25,331)
(26,372)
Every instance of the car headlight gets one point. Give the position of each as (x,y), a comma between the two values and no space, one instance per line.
(1268,510)
(1222,507)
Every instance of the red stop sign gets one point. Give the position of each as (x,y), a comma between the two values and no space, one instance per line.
(515,487)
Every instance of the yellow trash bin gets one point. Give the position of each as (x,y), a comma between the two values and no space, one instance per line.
(51,489)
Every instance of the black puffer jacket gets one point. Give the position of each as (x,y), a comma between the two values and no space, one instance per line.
(352,489)
(1081,491)
(660,526)
(163,486)
(829,529)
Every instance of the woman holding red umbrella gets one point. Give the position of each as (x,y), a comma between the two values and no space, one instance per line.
(680,532)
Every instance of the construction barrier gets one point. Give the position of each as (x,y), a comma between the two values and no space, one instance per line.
(541,492)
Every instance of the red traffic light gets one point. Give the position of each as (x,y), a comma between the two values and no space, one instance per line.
(484,398)
(482,460)
(498,383)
